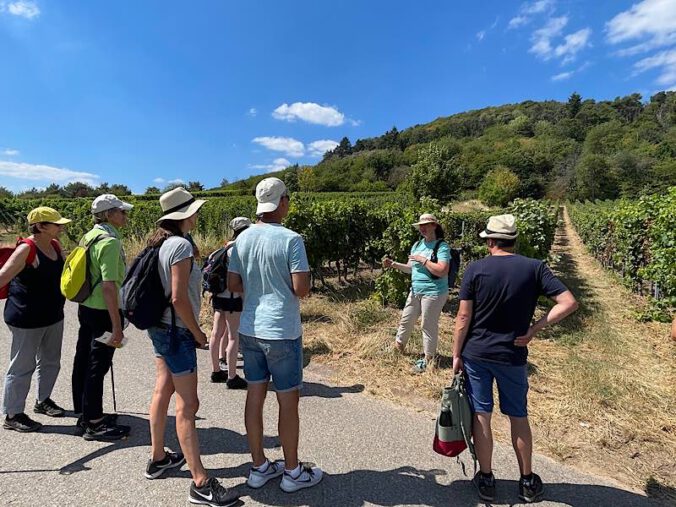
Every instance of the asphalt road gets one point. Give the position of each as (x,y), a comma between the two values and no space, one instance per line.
(373,452)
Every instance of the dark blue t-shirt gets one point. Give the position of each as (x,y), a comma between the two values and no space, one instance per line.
(505,290)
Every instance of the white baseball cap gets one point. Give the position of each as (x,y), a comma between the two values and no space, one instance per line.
(238,223)
(109,201)
(269,193)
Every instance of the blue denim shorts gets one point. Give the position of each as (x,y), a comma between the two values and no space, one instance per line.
(281,360)
(176,348)
(512,386)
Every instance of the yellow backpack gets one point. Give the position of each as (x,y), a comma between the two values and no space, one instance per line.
(76,278)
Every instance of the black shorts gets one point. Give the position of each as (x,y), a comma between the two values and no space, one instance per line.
(230,304)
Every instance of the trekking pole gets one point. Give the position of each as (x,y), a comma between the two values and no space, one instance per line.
(112,381)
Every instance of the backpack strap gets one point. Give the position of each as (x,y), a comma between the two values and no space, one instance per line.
(57,246)
(435,250)
(32,249)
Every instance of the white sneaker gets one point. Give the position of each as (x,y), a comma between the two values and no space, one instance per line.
(308,477)
(259,479)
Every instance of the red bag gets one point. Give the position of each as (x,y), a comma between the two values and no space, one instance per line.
(7,251)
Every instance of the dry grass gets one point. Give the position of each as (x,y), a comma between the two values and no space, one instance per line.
(603,386)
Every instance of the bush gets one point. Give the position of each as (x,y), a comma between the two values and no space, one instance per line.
(499,187)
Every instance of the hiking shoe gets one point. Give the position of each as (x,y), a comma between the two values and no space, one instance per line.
(223,364)
(236,382)
(21,423)
(105,431)
(531,490)
(420,366)
(48,407)
(258,479)
(485,485)
(212,493)
(219,377)
(157,468)
(81,426)
(308,477)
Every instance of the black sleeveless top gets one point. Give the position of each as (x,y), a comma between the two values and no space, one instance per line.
(35,298)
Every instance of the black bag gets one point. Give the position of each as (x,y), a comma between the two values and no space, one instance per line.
(454,266)
(143,299)
(215,272)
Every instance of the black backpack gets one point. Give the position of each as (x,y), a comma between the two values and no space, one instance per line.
(215,271)
(142,294)
(453,268)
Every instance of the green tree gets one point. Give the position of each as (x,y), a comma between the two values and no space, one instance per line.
(433,176)
(594,179)
(5,193)
(574,105)
(119,189)
(152,190)
(224,183)
(291,179)
(195,186)
(78,189)
(499,187)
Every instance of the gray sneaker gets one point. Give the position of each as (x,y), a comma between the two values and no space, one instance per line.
(258,479)
(308,477)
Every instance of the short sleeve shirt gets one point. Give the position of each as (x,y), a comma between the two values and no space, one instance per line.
(108,263)
(422,281)
(504,290)
(265,256)
(174,250)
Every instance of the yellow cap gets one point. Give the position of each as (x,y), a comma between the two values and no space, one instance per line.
(45,214)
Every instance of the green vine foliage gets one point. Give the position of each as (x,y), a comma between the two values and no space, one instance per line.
(637,240)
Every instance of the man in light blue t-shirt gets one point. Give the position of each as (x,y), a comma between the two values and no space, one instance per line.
(269,265)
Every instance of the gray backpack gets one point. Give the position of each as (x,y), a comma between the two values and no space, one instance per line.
(453,432)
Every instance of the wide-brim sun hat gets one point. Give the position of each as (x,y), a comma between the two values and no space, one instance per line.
(179,204)
(500,227)
(425,218)
(239,223)
(47,215)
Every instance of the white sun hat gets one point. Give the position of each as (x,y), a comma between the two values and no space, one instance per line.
(179,204)
(500,227)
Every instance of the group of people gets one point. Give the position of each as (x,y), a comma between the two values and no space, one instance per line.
(259,314)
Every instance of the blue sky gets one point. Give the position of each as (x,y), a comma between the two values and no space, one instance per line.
(150,91)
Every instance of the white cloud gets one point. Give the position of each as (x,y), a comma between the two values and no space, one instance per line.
(9,152)
(542,38)
(278,164)
(44,173)
(574,43)
(480,35)
(318,148)
(654,20)
(311,113)
(528,10)
(666,61)
(252,112)
(22,8)
(563,76)
(177,181)
(287,145)
(159,180)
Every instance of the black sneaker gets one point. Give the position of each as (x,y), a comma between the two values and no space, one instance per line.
(21,423)
(219,377)
(105,431)
(81,426)
(236,382)
(531,490)
(212,493)
(157,468)
(48,407)
(485,485)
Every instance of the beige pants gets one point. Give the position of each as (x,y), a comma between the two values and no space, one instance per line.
(430,307)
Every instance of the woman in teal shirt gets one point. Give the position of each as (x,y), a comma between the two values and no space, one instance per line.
(429,288)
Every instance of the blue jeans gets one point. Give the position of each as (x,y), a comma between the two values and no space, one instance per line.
(512,386)
(281,360)
(177,348)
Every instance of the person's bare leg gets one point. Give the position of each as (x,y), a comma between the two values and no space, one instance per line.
(164,389)
(522,441)
(232,334)
(289,426)
(483,441)
(218,331)
(253,420)
(187,404)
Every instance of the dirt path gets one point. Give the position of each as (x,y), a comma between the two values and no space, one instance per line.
(603,384)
